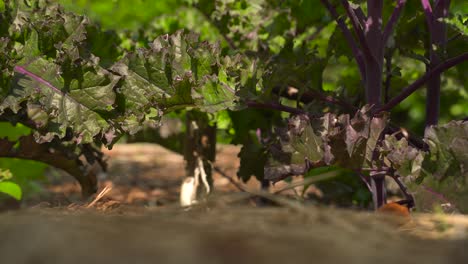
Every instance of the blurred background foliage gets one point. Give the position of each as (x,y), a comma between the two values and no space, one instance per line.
(25,174)
(269,26)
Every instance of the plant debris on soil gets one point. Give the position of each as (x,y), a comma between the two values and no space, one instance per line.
(135,218)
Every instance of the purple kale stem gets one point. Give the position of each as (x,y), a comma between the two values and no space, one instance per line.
(361,16)
(379,195)
(433,85)
(276,106)
(438,38)
(357,28)
(355,21)
(438,195)
(374,61)
(373,28)
(421,81)
(373,84)
(364,179)
(428,12)
(389,27)
(358,56)
(409,197)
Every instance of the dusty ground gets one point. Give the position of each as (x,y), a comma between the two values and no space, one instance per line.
(139,221)
(143,175)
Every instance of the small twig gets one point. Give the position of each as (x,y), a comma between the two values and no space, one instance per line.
(438,195)
(272,197)
(409,197)
(317,32)
(100,196)
(276,174)
(452,38)
(360,15)
(421,81)
(358,56)
(310,95)
(356,23)
(308,181)
(276,106)
(365,180)
(231,180)
(393,20)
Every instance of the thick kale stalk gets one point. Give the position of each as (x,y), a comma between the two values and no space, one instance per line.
(437,42)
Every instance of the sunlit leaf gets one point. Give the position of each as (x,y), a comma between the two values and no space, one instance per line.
(10,188)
